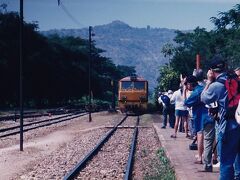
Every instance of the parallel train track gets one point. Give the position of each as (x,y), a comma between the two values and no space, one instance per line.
(38,124)
(128,169)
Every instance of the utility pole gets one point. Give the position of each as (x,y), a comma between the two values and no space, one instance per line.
(113,96)
(89,74)
(21,75)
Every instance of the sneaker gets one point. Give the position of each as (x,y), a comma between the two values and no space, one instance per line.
(163,127)
(216,166)
(173,136)
(208,168)
(236,177)
(215,161)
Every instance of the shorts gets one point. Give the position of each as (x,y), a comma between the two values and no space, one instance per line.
(181,113)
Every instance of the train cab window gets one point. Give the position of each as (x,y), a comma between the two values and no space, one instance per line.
(139,85)
(127,85)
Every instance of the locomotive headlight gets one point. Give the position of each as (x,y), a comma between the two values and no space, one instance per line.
(124,98)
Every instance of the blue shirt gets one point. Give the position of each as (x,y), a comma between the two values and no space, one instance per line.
(218,92)
(200,112)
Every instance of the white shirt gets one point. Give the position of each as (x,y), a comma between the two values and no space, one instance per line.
(237,114)
(160,99)
(178,99)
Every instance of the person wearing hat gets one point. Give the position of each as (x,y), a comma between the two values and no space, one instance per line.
(203,123)
(228,129)
(237,71)
(168,109)
(237,113)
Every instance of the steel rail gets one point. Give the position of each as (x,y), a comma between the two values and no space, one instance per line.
(48,124)
(34,114)
(38,122)
(94,151)
(129,166)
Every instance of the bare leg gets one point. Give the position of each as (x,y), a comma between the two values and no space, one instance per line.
(176,125)
(185,125)
(200,146)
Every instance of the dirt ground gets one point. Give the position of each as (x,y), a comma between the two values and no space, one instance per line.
(14,162)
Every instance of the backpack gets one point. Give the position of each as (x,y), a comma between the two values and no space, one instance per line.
(232,84)
(166,100)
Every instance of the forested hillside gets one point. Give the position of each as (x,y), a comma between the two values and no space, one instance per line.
(126,45)
(55,69)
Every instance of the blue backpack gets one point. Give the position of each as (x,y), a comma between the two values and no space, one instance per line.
(166,100)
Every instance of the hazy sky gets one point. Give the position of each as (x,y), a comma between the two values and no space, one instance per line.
(174,14)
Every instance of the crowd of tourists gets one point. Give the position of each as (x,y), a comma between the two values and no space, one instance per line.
(208,110)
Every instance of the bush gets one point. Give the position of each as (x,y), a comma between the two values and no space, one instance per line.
(152,108)
(161,168)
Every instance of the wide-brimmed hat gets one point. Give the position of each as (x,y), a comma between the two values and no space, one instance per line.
(170,92)
(238,68)
(237,115)
(217,64)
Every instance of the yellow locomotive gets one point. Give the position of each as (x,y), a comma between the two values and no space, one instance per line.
(133,94)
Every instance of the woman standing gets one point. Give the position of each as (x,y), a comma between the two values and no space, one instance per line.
(181,111)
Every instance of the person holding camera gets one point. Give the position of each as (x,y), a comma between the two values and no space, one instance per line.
(203,123)
(228,128)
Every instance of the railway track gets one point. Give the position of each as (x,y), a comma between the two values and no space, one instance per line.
(110,144)
(5,132)
(36,114)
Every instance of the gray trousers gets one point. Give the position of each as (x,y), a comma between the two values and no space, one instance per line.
(209,136)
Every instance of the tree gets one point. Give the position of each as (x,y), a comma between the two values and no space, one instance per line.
(55,68)
(168,79)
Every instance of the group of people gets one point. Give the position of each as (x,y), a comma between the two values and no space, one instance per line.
(203,106)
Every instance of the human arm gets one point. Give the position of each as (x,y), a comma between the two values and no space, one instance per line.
(159,100)
(173,98)
(208,94)
(193,99)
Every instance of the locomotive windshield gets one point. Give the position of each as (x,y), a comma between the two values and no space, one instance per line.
(136,85)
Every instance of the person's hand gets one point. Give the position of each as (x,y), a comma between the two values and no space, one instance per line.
(210,76)
(182,80)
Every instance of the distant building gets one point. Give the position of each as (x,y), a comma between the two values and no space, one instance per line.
(148,27)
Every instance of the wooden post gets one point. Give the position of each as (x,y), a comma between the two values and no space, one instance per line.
(198,61)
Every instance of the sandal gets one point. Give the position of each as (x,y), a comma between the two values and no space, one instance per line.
(188,136)
(173,136)
(198,162)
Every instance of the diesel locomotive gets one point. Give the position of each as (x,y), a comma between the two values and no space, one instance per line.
(133,94)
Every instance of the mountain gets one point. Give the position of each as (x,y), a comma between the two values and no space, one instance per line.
(126,45)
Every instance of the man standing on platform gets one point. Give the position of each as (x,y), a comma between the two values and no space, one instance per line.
(168,109)
(228,128)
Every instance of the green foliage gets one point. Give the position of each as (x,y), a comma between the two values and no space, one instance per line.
(151,107)
(190,44)
(55,69)
(168,79)
(224,40)
(228,20)
(161,168)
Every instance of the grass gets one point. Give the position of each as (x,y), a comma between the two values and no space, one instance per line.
(161,168)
